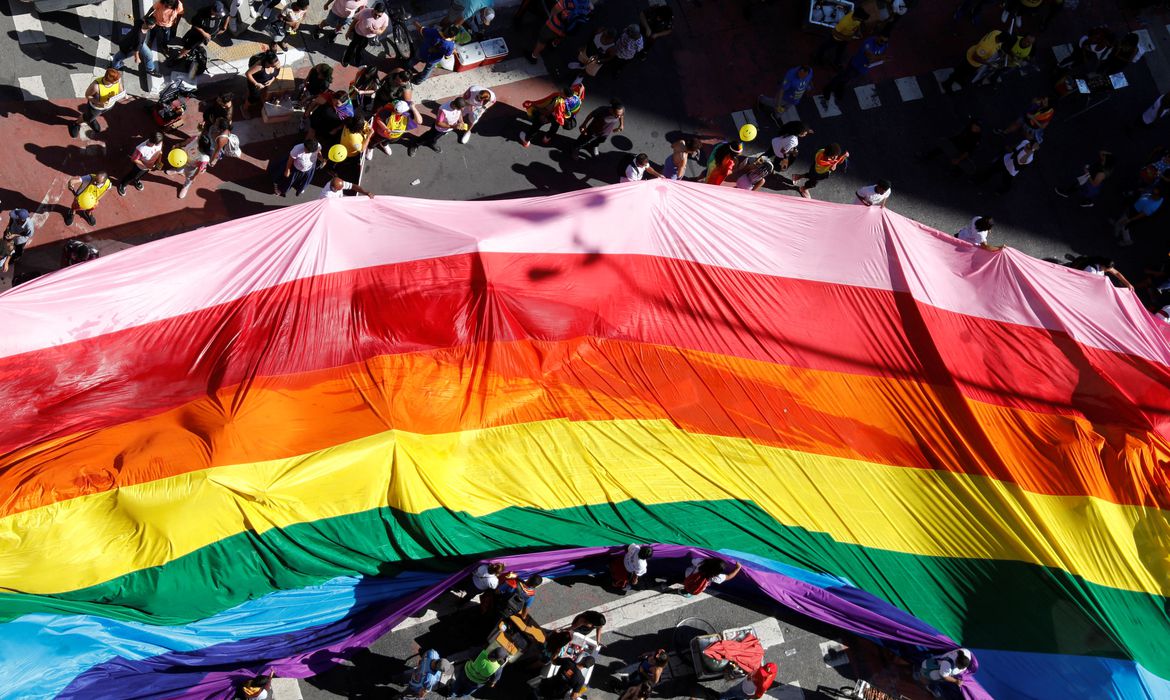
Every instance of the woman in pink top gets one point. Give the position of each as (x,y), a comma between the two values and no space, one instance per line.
(368,24)
(166,18)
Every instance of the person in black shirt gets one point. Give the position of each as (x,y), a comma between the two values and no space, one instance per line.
(569,679)
(217,109)
(207,23)
(137,42)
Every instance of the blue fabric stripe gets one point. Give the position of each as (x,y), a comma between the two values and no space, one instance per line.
(41,654)
(1018,675)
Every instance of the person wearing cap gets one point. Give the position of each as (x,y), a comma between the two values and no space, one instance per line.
(438,43)
(208,23)
(950,667)
(17,234)
(627,47)
(392,124)
(724,158)
(875,195)
(472,15)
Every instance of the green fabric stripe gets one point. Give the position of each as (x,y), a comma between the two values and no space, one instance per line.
(982,603)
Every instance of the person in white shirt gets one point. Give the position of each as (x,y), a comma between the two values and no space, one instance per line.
(336,188)
(477,100)
(1010,165)
(486,576)
(875,195)
(448,118)
(633,565)
(1163,314)
(145,158)
(976,232)
(638,169)
(945,668)
(784,146)
(298,169)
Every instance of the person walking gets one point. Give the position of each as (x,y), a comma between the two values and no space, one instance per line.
(340,14)
(875,195)
(1034,121)
(437,43)
(755,174)
(976,233)
(682,152)
(368,24)
(1009,166)
(478,100)
(867,57)
(356,134)
(484,670)
(789,93)
(448,118)
(598,126)
(1144,206)
(102,94)
(627,47)
(209,22)
(137,43)
(87,191)
(785,146)
(166,15)
(554,110)
(832,51)
(1087,187)
(563,18)
(392,124)
(146,157)
(704,572)
(723,160)
(627,570)
(203,151)
(337,187)
(19,232)
(567,681)
(825,163)
(983,53)
(289,22)
(295,171)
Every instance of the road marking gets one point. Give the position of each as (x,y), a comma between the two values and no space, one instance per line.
(81,82)
(105,50)
(33,87)
(941,76)
(1144,40)
(827,108)
(1061,52)
(909,89)
(286,689)
(96,20)
(742,118)
(867,96)
(768,632)
(29,29)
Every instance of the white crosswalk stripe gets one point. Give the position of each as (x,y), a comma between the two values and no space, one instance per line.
(867,96)
(909,89)
(827,107)
(1145,41)
(941,76)
(33,87)
(29,29)
(1061,52)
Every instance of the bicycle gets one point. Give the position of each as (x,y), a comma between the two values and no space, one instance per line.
(397,35)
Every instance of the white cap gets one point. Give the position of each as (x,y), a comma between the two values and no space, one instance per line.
(488,15)
(401,107)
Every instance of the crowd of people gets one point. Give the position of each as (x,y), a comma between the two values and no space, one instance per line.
(343,126)
(557,663)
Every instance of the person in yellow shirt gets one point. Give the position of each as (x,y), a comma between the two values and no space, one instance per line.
(847,29)
(981,54)
(102,94)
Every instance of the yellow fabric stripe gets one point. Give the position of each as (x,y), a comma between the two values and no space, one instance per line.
(561,464)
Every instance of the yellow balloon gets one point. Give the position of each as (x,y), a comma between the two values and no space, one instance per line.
(747,132)
(177,157)
(86,201)
(337,153)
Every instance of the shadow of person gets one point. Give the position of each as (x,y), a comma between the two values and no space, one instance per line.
(59,52)
(502,120)
(359,674)
(547,179)
(606,167)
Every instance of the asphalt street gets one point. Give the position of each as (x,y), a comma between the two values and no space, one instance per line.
(808,654)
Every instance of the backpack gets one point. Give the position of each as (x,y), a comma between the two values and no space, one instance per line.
(696,583)
(514,604)
(231,149)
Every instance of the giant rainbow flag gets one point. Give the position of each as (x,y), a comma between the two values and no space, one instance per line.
(242,446)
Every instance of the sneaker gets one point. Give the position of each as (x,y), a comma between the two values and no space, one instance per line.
(1060,192)
(74,130)
(464,136)
(185,188)
(385,148)
(369,154)
(411,150)
(155,73)
(531,59)
(139,186)
(436,147)
(89,219)
(227,41)
(68,215)
(595,151)
(1086,205)
(97,128)
(524,139)
(121,190)
(804,193)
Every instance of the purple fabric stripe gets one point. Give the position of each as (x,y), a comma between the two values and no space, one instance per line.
(849,609)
